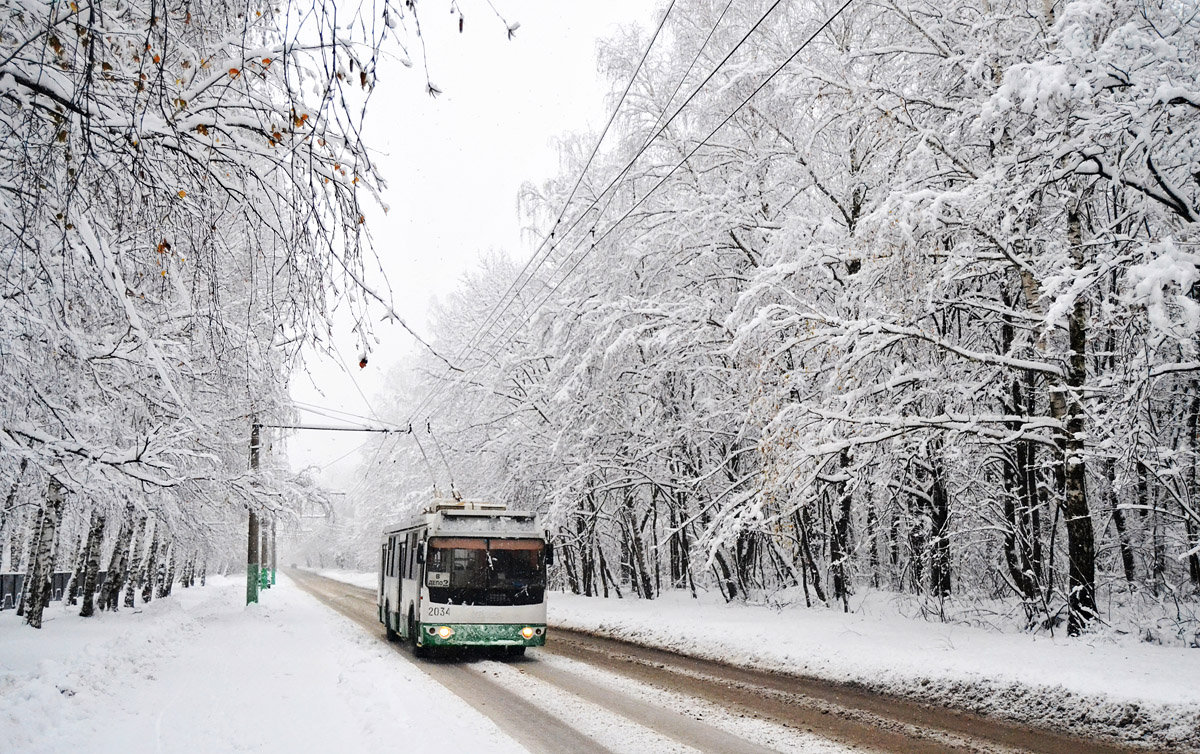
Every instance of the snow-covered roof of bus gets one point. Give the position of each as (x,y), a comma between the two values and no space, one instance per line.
(471,517)
(448,503)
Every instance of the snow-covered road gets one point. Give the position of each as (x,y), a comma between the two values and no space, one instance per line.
(635,698)
(565,705)
(198,672)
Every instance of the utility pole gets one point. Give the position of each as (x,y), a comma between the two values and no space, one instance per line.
(260,547)
(264,573)
(252,561)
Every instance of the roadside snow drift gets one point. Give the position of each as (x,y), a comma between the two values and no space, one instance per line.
(1094,685)
(199,672)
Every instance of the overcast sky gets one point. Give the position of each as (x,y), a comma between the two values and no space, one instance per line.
(455,165)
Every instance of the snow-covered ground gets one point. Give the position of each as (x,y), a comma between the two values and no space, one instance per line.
(199,672)
(1095,685)
(355,578)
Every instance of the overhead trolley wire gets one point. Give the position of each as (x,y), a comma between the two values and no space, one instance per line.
(375,459)
(345,416)
(699,145)
(582,173)
(498,309)
(656,131)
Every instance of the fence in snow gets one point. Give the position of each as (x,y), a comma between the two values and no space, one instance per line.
(11,584)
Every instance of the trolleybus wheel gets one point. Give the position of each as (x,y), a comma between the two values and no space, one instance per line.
(418,650)
(387,624)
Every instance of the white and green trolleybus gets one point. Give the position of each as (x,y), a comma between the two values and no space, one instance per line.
(465,574)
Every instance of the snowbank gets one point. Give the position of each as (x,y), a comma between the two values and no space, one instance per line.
(1101,685)
(354,578)
(1098,686)
(199,672)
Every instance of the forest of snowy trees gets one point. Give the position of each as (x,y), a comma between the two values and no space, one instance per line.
(922,316)
(180,191)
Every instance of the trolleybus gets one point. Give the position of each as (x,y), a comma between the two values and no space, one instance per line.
(465,574)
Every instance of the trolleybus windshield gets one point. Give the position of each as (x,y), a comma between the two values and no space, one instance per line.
(479,571)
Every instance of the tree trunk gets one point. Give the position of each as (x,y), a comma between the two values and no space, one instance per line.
(43,571)
(809,560)
(1192,540)
(134,579)
(35,539)
(253,536)
(1068,405)
(1118,516)
(151,565)
(118,564)
(939,566)
(169,581)
(76,581)
(872,534)
(8,518)
(264,561)
(91,568)
(839,543)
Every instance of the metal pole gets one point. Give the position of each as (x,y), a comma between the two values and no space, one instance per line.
(252,539)
(264,575)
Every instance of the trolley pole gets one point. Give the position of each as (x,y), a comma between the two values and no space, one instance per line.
(253,538)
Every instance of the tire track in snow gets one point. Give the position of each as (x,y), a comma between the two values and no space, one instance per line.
(533,728)
(833,715)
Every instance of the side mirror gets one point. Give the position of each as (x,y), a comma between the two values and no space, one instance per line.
(420,552)
(549,553)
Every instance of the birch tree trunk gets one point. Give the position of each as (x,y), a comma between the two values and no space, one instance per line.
(91,567)
(43,571)
(135,562)
(30,560)
(150,568)
(8,517)
(72,595)
(167,577)
(118,564)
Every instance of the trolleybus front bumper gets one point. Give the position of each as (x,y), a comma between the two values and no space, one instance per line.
(483,635)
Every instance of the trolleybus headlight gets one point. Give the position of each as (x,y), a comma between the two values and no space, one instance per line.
(539,631)
(445,632)
(527,632)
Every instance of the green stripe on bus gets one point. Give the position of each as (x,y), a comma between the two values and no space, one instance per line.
(483,635)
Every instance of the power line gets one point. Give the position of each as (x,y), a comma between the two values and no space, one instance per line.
(582,174)
(374,459)
(498,309)
(332,428)
(345,455)
(660,129)
(655,132)
(338,414)
(703,142)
